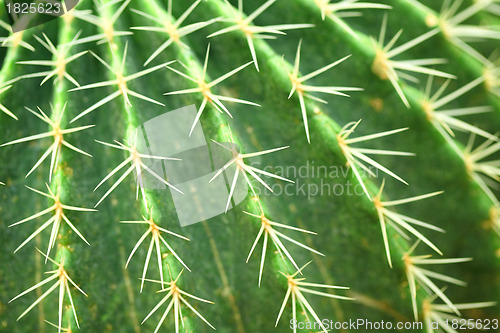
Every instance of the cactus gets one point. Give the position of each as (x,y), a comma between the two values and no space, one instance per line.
(368,146)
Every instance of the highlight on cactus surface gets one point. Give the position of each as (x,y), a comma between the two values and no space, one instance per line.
(216,196)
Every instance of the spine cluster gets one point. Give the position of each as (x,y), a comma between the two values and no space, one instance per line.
(389,64)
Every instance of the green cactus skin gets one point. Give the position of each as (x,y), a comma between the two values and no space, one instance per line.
(348,247)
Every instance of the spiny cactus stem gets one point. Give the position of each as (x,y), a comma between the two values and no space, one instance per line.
(416,97)
(324,125)
(260,48)
(167,263)
(325,133)
(14,40)
(61,181)
(7,76)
